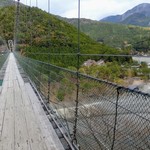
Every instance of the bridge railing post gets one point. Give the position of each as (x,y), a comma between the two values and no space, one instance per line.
(116,115)
(49,81)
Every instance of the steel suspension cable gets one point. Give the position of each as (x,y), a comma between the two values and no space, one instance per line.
(16,25)
(30,20)
(49,57)
(36,3)
(26,23)
(77,83)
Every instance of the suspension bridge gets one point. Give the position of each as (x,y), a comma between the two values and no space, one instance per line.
(44,106)
(24,124)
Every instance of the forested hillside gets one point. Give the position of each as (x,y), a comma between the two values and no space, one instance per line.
(115,35)
(39,31)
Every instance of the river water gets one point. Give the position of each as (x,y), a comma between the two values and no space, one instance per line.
(142,59)
(146,87)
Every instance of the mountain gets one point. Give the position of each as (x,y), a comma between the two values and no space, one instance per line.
(139,15)
(115,35)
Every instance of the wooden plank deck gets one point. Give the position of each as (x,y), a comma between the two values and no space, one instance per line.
(23,123)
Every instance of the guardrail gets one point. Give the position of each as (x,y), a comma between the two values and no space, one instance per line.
(3,57)
(105,117)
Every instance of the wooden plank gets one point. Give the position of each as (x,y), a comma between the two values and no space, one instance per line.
(3,101)
(36,137)
(21,133)
(5,81)
(19,78)
(0,89)
(23,123)
(7,137)
(51,139)
(2,112)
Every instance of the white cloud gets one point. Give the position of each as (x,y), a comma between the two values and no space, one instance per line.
(94,9)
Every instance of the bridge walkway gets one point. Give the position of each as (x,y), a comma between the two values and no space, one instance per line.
(23,122)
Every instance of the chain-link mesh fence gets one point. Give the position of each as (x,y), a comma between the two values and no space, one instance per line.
(112,117)
(56,85)
(132,126)
(4,35)
(3,57)
(3,52)
(109,117)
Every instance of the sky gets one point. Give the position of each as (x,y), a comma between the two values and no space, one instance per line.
(91,9)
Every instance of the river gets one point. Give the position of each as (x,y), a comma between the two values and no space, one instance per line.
(146,87)
(142,59)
